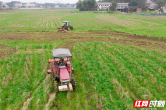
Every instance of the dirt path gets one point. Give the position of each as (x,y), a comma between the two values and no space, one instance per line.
(51,97)
(26,103)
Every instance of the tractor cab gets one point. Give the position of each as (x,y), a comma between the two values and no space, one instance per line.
(67,23)
(62,69)
(67,26)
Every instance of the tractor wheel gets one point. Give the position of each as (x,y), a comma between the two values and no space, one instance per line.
(53,77)
(71,27)
(68,28)
(57,84)
(57,79)
(73,81)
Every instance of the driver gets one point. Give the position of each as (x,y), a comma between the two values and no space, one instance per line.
(61,61)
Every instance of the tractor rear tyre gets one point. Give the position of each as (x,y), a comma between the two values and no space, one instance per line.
(57,79)
(73,81)
(71,27)
(68,28)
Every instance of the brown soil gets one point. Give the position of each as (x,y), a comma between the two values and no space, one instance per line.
(26,103)
(76,37)
(6,51)
(4,29)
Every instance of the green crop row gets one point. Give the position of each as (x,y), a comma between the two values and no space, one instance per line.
(119,74)
(23,74)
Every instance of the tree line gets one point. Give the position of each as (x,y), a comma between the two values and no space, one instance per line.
(86,5)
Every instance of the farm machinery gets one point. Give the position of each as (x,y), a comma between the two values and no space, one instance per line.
(62,70)
(66,26)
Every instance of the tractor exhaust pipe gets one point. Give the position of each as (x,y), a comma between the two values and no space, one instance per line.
(65,87)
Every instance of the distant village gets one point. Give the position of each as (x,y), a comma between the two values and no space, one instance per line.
(36,5)
(120,7)
(124,7)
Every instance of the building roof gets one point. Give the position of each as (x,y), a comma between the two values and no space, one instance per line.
(3,3)
(18,3)
(103,3)
(66,21)
(152,5)
(61,52)
(134,7)
(122,3)
(148,1)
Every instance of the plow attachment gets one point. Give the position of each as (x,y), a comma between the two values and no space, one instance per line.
(65,87)
(61,29)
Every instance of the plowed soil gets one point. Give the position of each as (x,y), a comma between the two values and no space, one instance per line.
(90,36)
(6,51)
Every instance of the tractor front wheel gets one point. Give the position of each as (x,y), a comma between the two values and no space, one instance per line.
(73,81)
(57,79)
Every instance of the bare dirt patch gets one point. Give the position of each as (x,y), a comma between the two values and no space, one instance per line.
(51,97)
(4,29)
(26,103)
(76,37)
(5,51)
(6,13)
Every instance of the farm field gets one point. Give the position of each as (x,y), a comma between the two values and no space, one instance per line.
(50,20)
(112,69)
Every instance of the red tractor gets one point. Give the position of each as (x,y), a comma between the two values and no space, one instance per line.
(62,70)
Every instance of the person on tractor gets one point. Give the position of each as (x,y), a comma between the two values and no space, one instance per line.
(61,62)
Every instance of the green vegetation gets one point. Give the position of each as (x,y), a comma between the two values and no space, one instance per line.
(113,7)
(22,74)
(50,20)
(160,5)
(109,76)
(119,74)
(86,5)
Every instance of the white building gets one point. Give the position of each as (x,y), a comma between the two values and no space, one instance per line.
(18,5)
(69,6)
(74,6)
(4,5)
(29,5)
(104,5)
(164,9)
(56,6)
(121,6)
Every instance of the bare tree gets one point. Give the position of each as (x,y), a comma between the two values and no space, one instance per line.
(141,4)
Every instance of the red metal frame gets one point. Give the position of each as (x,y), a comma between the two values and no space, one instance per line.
(62,73)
